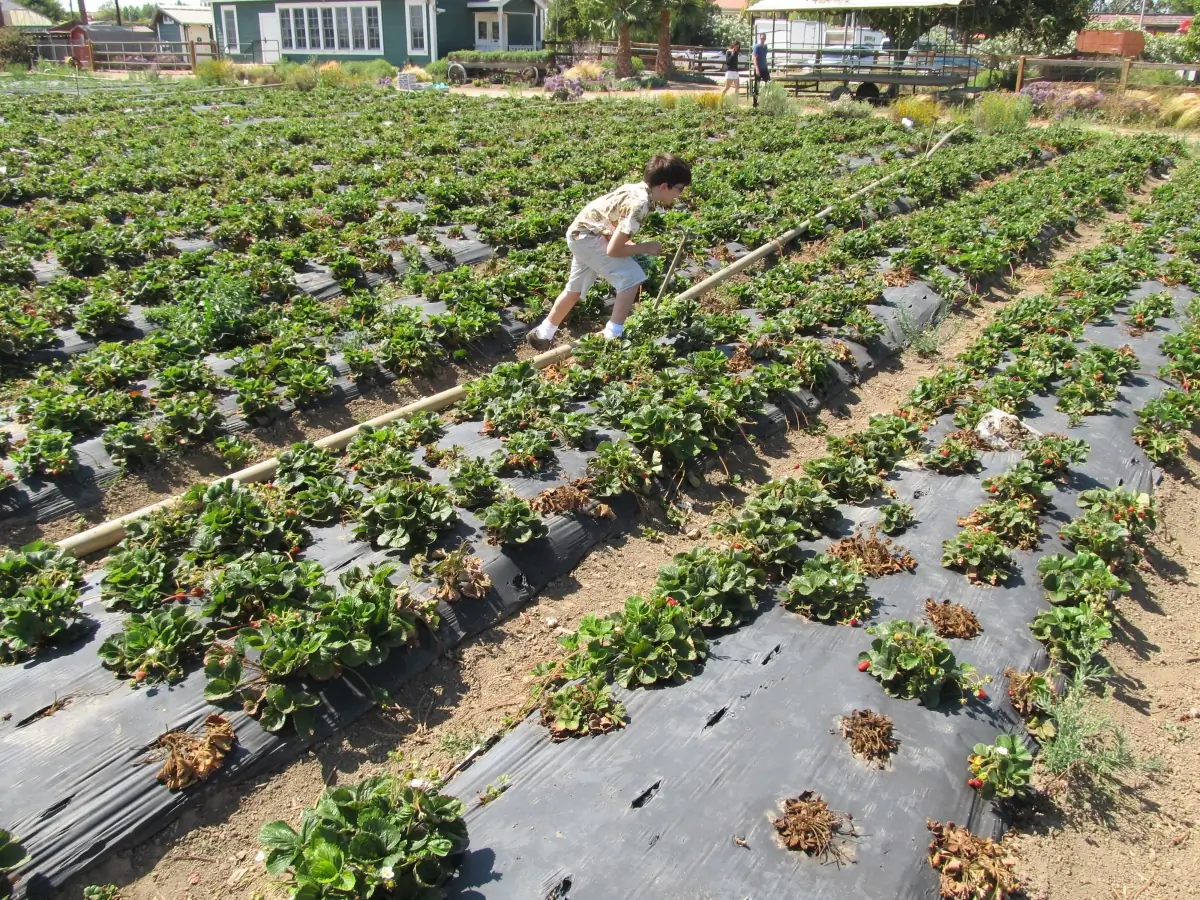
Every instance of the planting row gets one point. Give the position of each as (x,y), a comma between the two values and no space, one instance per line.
(228,581)
(169,392)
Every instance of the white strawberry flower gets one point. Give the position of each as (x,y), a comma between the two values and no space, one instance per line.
(260,856)
(419,785)
(386,873)
(1002,751)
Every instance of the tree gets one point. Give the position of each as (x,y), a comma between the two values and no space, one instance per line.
(694,12)
(1045,21)
(620,16)
(51,9)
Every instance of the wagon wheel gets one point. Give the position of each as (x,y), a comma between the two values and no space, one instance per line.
(838,93)
(530,75)
(456,74)
(868,91)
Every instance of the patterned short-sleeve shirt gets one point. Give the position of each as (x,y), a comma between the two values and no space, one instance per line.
(621,210)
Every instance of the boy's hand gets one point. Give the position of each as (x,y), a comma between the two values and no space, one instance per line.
(651,248)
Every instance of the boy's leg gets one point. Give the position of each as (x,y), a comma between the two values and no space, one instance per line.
(562,306)
(622,307)
(578,281)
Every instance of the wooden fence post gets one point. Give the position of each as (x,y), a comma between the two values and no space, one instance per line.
(1020,73)
(192,55)
(1125,63)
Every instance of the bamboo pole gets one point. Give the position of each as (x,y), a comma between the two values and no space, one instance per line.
(106,534)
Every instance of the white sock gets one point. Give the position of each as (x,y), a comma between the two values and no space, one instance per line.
(546,330)
(612,329)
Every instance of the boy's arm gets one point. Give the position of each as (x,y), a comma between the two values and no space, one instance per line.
(620,245)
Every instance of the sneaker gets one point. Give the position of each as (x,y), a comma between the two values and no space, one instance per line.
(538,343)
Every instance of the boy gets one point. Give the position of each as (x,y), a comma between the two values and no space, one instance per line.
(599,240)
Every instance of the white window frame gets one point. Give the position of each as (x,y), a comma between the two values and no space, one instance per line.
(226,32)
(342,32)
(423,12)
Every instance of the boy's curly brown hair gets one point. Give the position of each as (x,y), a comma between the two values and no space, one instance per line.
(668,169)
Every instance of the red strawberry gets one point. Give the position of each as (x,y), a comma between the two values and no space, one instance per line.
(981,694)
(864,665)
(945,453)
(975,783)
(853,623)
(737,546)
(1047,462)
(197,591)
(139,676)
(671,601)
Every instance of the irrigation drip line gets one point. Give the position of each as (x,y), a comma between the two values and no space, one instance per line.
(108,534)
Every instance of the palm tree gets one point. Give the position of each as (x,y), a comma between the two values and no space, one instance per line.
(668,11)
(622,15)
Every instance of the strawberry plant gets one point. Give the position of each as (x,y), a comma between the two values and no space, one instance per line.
(524,451)
(234,519)
(1082,578)
(102,316)
(1134,511)
(138,579)
(38,564)
(154,647)
(405,515)
(45,452)
(956,453)
(382,837)
(1161,423)
(511,522)
(131,443)
(581,708)
(305,382)
(980,555)
(970,867)
(717,587)
(474,483)
(895,518)
(1073,635)
(1022,482)
(1051,454)
(1144,311)
(252,584)
(847,478)
(302,464)
(1001,769)
(648,642)
(775,518)
(185,377)
(618,467)
(911,662)
(39,613)
(235,451)
(12,855)
(830,590)
(1032,697)
(1015,522)
(190,417)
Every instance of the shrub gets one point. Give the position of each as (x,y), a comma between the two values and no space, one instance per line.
(585,70)
(849,108)
(668,100)
(301,78)
(920,109)
(1181,112)
(438,70)
(331,74)
(16,48)
(422,75)
(215,71)
(773,100)
(997,112)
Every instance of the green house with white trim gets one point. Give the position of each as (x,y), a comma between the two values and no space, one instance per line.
(399,31)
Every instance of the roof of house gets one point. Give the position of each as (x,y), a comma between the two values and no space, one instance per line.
(1153,20)
(109,33)
(186,15)
(18,16)
(735,6)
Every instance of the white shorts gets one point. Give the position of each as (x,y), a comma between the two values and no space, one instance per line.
(590,260)
(731,76)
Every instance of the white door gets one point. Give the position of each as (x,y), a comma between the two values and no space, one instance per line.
(487,31)
(268,33)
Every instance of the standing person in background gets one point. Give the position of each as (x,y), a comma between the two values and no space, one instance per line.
(760,59)
(731,67)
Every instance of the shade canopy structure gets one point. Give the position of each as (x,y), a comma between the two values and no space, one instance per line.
(838,6)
